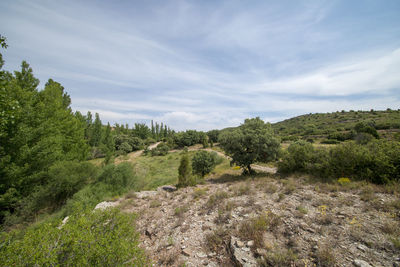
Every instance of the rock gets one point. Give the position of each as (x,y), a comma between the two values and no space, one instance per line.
(212,254)
(201,255)
(186,252)
(63,222)
(145,194)
(238,255)
(239,243)
(260,252)
(250,243)
(361,263)
(168,188)
(362,247)
(105,204)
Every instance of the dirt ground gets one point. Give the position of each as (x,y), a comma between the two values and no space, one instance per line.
(269,221)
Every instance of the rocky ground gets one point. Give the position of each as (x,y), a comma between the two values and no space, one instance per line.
(268,221)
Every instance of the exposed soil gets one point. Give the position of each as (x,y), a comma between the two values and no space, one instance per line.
(307,224)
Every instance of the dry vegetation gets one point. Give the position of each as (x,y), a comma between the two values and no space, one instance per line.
(270,221)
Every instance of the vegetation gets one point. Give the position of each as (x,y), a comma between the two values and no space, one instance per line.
(251,142)
(185,171)
(204,162)
(377,162)
(339,126)
(99,238)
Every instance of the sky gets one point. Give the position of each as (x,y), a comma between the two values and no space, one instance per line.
(209,64)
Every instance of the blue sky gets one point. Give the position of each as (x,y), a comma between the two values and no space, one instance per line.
(210,64)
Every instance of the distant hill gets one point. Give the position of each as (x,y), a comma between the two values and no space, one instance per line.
(323,125)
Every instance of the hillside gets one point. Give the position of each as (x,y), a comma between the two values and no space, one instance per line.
(321,125)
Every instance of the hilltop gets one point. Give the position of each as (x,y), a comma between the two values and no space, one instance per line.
(321,125)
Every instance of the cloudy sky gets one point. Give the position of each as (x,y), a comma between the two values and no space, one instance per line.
(210,64)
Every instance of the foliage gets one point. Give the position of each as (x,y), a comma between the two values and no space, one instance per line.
(99,238)
(39,131)
(161,150)
(204,162)
(377,162)
(251,142)
(187,138)
(185,171)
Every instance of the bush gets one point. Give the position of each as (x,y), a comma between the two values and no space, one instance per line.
(119,176)
(161,150)
(203,162)
(99,238)
(377,162)
(298,155)
(125,147)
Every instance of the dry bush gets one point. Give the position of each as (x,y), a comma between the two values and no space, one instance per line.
(168,257)
(155,203)
(215,241)
(199,193)
(278,258)
(325,256)
(215,199)
(253,228)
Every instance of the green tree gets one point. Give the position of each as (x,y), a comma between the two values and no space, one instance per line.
(97,131)
(185,170)
(203,162)
(251,142)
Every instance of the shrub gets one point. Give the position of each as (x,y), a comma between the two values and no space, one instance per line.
(185,170)
(161,150)
(344,181)
(119,176)
(125,147)
(99,238)
(203,162)
(297,157)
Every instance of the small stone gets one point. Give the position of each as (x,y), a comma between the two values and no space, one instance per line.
(260,251)
(245,249)
(362,247)
(310,230)
(212,254)
(315,248)
(201,255)
(361,263)
(239,244)
(244,259)
(186,252)
(250,243)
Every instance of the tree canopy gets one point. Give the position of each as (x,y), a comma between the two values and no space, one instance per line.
(253,141)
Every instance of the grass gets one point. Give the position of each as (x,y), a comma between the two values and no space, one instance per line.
(253,228)
(157,171)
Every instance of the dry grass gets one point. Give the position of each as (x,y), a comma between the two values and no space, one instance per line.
(215,241)
(325,256)
(253,228)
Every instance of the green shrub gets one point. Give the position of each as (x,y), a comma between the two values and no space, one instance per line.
(125,147)
(298,155)
(161,150)
(377,162)
(99,238)
(185,171)
(203,162)
(119,176)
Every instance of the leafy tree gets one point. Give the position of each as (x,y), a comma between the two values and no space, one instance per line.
(203,162)
(250,142)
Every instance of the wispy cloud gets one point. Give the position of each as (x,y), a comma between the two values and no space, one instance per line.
(207,65)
